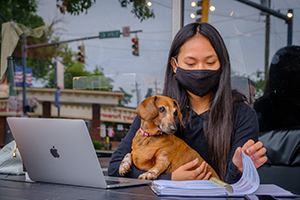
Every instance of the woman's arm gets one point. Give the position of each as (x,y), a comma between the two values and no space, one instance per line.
(245,128)
(125,147)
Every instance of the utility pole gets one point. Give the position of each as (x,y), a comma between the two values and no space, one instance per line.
(137,90)
(24,55)
(156,87)
(288,20)
(268,11)
(267,3)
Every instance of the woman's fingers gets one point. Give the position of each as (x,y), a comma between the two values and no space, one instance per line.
(201,169)
(248,144)
(259,162)
(203,175)
(207,176)
(253,148)
(185,173)
(190,165)
(258,154)
(238,159)
(255,151)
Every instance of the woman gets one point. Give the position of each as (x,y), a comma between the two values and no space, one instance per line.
(218,126)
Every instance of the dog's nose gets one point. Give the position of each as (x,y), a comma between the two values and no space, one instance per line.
(173,128)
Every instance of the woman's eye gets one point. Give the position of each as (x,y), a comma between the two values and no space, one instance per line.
(190,64)
(210,63)
(175,113)
(162,109)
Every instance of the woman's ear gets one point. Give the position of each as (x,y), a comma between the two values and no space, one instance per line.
(174,66)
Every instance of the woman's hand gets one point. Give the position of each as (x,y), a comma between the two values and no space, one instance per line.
(255,151)
(184,173)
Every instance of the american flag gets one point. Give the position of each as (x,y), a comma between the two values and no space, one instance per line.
(19,76)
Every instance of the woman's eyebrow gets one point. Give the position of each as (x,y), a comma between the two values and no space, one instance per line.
(209,56)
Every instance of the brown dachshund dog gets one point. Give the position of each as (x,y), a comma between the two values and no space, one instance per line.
(154,148)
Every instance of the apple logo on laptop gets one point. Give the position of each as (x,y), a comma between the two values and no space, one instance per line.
(54,152)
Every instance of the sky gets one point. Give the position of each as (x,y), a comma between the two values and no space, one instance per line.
(241,26)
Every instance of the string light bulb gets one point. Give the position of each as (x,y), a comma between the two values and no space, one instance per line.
(212,8)
(192,15)
(289,15)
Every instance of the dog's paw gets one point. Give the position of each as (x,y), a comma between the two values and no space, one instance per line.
(125,165)
(148,175)
(124,169)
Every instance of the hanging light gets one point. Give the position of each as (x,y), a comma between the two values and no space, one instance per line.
(212,8)
(192,15)
(289,14)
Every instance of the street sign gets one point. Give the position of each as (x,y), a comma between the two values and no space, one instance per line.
(126,31)
(109,34)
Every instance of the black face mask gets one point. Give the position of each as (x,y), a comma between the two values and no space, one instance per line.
(198,82)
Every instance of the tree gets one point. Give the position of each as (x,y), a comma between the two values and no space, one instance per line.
(71,71)
(260,83)
(41,59)
(140,9)
(126,98)
(95,81)
(21,11)
(74,7)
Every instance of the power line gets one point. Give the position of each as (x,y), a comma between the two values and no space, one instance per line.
(158,3)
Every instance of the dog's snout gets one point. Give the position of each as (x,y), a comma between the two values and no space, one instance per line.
(173,128)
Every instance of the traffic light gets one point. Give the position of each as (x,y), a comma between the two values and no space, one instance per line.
(135,46)
(202,12)
(81,54)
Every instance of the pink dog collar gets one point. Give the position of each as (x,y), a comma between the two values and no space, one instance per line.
(148,134)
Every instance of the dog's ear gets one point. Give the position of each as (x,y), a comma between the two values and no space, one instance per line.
(179,115)
(147,109)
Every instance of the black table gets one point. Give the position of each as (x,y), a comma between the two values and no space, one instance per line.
(14,187)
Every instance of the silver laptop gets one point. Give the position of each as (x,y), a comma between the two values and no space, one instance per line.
(61,151)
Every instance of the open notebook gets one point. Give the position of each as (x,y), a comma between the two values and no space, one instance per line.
(61,151)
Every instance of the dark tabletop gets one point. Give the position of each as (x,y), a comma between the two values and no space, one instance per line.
(14,187)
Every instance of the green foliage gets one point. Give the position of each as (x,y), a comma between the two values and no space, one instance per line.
(71,71)
(74,7)
(260,84)
(126,98)
(140,9)
(21,11)
(42,59)
(95,81)
(97,145)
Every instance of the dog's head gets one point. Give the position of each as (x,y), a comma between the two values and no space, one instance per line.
(160,112)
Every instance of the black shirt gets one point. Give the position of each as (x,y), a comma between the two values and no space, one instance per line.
(245,127)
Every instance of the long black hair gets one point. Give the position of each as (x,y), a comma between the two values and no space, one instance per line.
(218,125)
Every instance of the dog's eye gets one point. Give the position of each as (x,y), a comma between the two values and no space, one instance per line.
(162,109)
(175,113)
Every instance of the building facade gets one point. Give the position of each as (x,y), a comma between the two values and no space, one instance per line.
(99,109)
